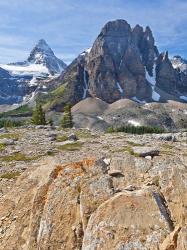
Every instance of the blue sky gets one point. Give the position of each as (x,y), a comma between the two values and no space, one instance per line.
(70,26)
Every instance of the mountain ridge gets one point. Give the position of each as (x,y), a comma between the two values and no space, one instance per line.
(123,62)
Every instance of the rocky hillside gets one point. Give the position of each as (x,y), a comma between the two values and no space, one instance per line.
(101,191)
(21,81)
(123,62)
(96,114)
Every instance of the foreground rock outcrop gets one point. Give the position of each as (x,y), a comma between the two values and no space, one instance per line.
(98,196)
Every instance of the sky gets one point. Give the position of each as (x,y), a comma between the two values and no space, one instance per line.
(71,26)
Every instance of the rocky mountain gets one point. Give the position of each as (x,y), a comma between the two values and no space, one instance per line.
(24,79)
(123,62)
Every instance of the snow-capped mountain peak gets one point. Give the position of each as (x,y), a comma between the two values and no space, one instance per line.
(26,78)
(179,63)
(40,51)
(42,54)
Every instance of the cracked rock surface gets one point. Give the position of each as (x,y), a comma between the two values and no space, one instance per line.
(94,193)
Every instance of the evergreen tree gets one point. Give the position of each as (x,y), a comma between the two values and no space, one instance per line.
(67,120)
(50,122)
(38,117)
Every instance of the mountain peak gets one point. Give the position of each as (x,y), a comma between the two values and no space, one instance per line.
(44,55)
(43,46)
(41,49)
(116,27)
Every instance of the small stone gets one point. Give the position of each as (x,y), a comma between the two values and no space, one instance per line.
(148,157)
(115,173)
(72,137)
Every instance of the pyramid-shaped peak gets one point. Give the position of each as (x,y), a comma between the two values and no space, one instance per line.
(43,46)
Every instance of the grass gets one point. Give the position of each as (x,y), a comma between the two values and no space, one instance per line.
(85,134)
(18,157)
(2,147)
(126,149)
(61,138)
(167,146)
(14,136)
(20,111)
(134,144)
(52,98)
(10,175)
(75,146)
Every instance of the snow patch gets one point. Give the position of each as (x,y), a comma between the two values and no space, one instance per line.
(155,96)
(184,98)
(119,88)
(33,82)
(134,123)
(100,118)
(151,79)
(85,88)
(88,50)
(137,100)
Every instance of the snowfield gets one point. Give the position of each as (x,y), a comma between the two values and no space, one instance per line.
(184,98)
(25,70)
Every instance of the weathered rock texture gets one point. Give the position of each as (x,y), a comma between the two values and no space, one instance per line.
(72,201)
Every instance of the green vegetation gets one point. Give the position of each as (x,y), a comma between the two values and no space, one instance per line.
(38,117)
(61,138)
(167,146)
(134,144)
(24,110)
(51,99)
(14,136)
(6,123)
(2,147)
(125,149)
(70,146)
(10,175)
(85,134)
(67,120)
(136,130)
(18,157)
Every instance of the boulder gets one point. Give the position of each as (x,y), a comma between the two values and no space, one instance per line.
(7,142)
(126,221)
(146,151)
(72,137)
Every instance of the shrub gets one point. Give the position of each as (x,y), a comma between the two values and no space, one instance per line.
(6,123)
(136,130)
(67,120)
(38,117)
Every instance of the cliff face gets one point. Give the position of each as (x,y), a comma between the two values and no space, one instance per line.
(117,62)
(111,193)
